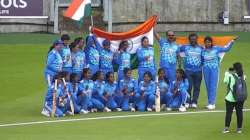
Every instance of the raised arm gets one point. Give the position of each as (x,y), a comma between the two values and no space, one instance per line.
(227,47)
(157,36)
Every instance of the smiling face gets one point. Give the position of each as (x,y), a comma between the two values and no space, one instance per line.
(208,44)
(111,78)
(146,78)
(161,75)
(128,74)
(193,40)
(171,36)
(145,42)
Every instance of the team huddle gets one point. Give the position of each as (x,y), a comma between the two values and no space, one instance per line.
(82,79)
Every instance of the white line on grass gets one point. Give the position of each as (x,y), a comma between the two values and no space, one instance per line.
(112,117)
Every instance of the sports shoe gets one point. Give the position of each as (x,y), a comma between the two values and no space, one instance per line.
(163,106)
(106,109)
(93,110)
(187,105)
(169,109)
(182,109)
(118,109)
(69,113)
(84,111)
(239,131)
(149,109)
(210,107)
(45,112)
(225,130)
(194,105)
(132,109)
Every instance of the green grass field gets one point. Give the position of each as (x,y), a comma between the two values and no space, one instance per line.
(23,89)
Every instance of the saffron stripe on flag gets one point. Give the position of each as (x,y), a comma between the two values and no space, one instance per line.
(73,8)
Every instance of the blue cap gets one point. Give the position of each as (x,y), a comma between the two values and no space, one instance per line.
(106,43)
(58,42)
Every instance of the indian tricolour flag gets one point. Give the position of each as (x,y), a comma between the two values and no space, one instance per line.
(78,9)
(135,35)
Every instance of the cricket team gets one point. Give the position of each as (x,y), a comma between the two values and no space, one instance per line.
(81,78)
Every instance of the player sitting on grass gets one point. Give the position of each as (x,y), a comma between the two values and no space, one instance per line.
(127,89)
(178,92)
(163,84)
(53,100)
(146,93)
(84,96)
(109,92)
(98,91)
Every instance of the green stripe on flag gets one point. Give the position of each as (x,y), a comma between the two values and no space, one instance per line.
(87,13)
(133,60)
(87,10)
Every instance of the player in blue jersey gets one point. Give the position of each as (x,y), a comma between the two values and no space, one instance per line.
(85,99)
(54,62)
(122,58)
(177,95)
(193,68)
(145,55)
(78,58)
(66,54)
(168,54)
(127,88)
(146,93)
(211,66)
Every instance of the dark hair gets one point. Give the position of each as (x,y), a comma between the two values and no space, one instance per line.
(238,68)
(143,38)
(51,48)
(84,71)
(149,74)
(97,75)
(77,40)
(165,77)
(64,74)
(231,69)
(208,38)
(121,45)
(72,45)
(108,75)
(58,76)
(65,37)
(126,70)
(72,77)
(182,72)
(192,35)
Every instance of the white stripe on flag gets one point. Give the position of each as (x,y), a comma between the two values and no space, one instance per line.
(80,11)
(134,43)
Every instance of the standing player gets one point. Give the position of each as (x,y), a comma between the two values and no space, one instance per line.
(106,57)
(192,67)
(66,54)
(168,54)
(145,56)
(92,54)
(54,62)
(122,59)
(211,65)
(78,57)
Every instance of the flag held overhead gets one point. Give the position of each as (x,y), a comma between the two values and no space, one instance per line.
(78,9)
